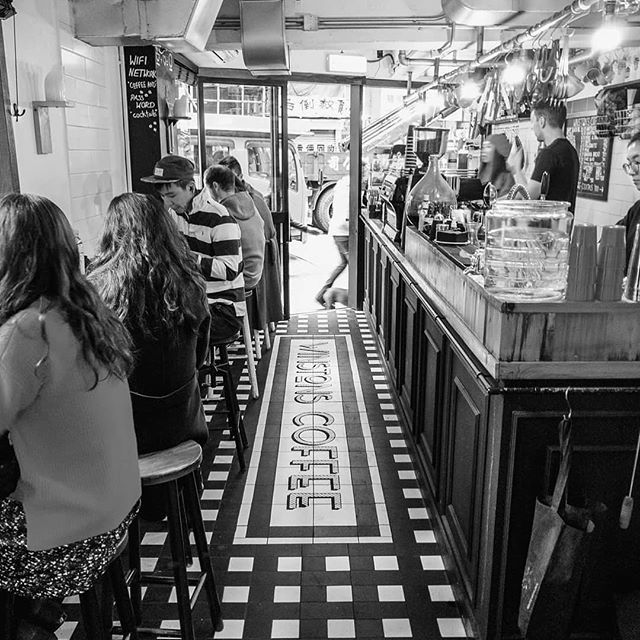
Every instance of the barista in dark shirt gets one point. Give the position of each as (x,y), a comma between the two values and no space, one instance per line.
(558,157)
(632,168)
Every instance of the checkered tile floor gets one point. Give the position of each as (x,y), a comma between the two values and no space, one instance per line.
(370,567)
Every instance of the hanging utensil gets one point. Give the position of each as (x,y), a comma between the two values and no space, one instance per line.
(544,185)
(627,504)
(489,195)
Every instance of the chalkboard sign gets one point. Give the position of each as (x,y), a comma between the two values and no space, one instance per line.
(595,157)
(142,113)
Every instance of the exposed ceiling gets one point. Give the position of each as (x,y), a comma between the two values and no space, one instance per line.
(396,36)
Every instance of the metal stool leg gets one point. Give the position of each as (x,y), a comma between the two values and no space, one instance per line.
(251,363)
(178,562)
(192,500)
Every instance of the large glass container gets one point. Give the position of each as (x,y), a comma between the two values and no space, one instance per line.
(527,249)
(431,200)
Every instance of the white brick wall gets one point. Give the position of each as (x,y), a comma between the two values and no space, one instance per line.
(95,134)
(87,165)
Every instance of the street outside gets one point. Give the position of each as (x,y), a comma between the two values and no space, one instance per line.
(310,265)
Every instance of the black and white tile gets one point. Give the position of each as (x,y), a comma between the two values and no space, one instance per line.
(327,534)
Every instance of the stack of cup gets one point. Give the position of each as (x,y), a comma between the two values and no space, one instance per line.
(581,279)
(632,287)
(611,263)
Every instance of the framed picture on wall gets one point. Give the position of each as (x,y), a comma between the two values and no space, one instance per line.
(594,153)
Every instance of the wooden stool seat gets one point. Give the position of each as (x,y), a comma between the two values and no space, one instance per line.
(176,470)
(170,464)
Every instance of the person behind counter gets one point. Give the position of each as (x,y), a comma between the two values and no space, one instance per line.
(632,169)
(558,157)
(493,167)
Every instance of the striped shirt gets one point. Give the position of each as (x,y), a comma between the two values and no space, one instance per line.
(214,237)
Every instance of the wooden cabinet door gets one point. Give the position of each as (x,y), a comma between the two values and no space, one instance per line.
(407,349)
(428,416)
(375,284)
(464,440)
(383,315)
(368,275)
(395,288)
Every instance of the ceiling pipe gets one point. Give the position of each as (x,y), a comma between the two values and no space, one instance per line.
(479,42)
(576,9)
(413,56)
(232,23)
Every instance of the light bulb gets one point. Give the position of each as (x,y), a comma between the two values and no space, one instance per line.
(514,73)
(609,35)
(469,91)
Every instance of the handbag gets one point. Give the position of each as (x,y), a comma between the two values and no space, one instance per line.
(9,469)
(556,557)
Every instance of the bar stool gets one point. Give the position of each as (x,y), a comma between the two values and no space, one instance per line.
(176,469)
(93,616)
(248,346)
(222,366)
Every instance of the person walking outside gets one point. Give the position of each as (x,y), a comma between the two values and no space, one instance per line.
(339,229)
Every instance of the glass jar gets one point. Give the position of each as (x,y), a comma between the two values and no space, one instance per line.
(430,196)
(527,249)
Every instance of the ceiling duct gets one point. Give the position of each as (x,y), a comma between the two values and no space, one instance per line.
(485,13)
(264,45)
(180,25)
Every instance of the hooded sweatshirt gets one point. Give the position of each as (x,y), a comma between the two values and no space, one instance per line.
(241,207)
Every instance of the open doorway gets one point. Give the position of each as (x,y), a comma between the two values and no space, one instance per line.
(318,121)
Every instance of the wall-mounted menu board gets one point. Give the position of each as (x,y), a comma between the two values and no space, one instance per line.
(595,157)
(142,113)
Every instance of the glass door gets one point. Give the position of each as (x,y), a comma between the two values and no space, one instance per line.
(245,120)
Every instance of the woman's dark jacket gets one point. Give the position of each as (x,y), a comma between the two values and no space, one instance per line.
(165,394)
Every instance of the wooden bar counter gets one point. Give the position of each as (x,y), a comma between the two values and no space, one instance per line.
(481,384)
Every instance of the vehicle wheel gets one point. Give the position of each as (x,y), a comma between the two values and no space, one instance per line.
(323,211)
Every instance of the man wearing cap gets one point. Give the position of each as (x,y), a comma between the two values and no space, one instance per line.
(213,236)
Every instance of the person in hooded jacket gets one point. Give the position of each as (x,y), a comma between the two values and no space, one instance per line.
(221,184)
(268,295)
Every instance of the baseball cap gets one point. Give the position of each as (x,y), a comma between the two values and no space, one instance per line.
(171,169)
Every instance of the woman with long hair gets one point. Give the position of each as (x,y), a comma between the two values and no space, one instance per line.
(493,163)
(147,275)
(64,401)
